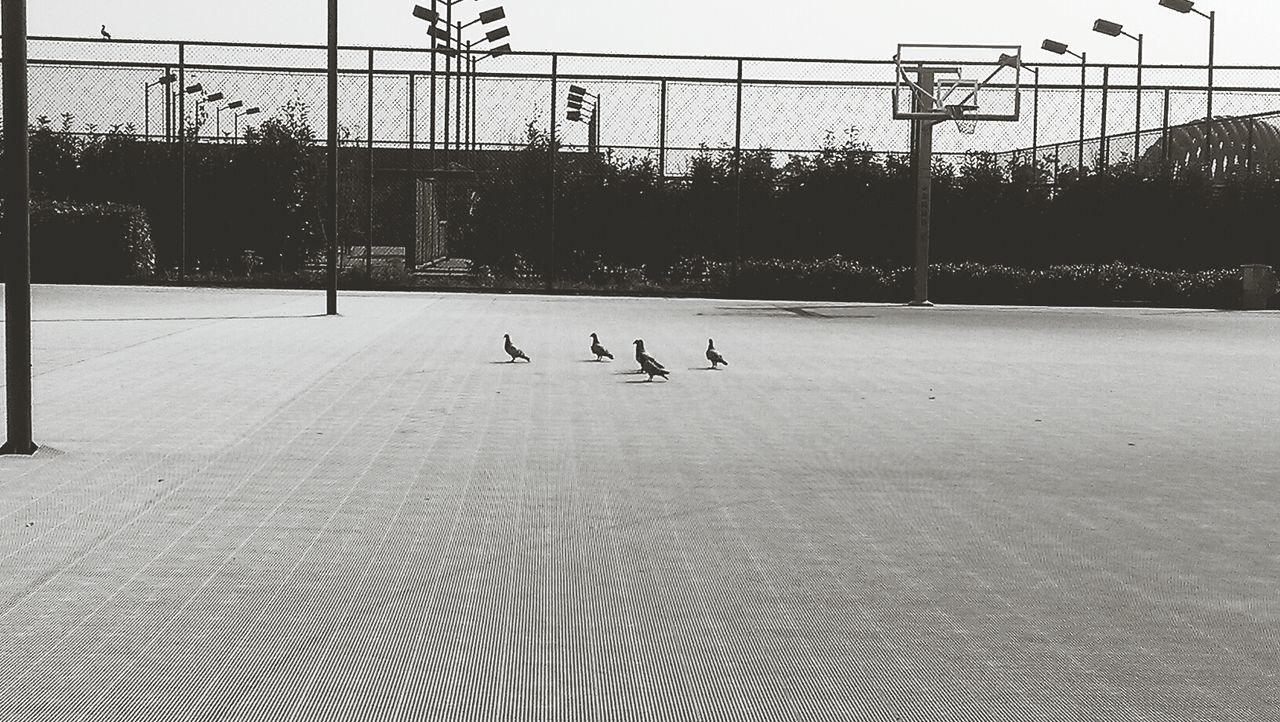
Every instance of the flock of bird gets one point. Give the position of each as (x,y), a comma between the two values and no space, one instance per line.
(648,364)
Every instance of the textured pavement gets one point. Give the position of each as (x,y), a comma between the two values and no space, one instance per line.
(246,511)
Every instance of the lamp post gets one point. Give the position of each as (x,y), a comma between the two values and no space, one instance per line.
(210,98)
(182,114)
(218,115)
(474,117)
(1188,6)
(164,80)
(247,111)
(577,104)
(1106,27)
(452,46)
(1058,48)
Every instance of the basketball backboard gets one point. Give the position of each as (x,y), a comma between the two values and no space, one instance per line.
(950,82)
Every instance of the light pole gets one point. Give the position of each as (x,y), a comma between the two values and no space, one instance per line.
(474,61)
(247,111)
(1058,48)
(210,98)
(164,80)
(451,46)
(577,104)
(218,115)
(182,119)
(1188,6)
(1106,27)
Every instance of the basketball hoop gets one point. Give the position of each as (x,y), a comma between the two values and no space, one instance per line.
(966,126)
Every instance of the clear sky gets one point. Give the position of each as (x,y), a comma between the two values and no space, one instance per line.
(861,29)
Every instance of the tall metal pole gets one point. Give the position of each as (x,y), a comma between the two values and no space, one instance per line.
(17,232)
(448,23)
(551,198)
(923,146)
(146,110)
(1208,135)
(1103,154)
(1212,22)
(662,132)
(737,178)
(1137,101)
(1035,129)
(431,122)
(368,187)
(1084,79)
(332,215)
(182,161)
(457,96)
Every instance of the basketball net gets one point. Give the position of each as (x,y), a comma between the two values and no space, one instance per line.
(966,126)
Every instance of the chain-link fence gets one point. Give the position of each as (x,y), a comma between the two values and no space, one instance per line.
(447,155)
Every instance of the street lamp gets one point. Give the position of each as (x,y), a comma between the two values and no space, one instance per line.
(1058,48)
(494,52)
(246,111)
(218,115)
(1106,27)
(1184,7)
(576,105)
(164,80)
(210,98)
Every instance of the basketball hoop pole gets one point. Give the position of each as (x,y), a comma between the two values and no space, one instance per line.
(922,130)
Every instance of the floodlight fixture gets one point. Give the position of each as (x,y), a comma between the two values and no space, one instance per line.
(427,14)
(445,50)
(438,33)
(489,16)
(574,115)
(1009,61)
(214,97)
(252,111)
(498,34)
(1182,6)
(1106,27)
(165,79)
(197,88)
(502,49)
(235,104)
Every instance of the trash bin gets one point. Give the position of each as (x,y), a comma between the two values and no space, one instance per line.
(1259,285)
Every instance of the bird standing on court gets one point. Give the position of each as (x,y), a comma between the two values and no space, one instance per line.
(598,350)
(649,364)
(104,32)
(713,355)
(511,349)
(641,356)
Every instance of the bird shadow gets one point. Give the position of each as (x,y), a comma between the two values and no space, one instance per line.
(702,368)
(644,381)
(628,373)
(591,361)
(509,363)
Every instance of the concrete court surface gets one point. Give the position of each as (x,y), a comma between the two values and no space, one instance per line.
(243,510)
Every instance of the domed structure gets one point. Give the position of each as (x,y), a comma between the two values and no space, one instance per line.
(1234,142)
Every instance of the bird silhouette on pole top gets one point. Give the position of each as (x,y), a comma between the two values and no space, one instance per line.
(105,34)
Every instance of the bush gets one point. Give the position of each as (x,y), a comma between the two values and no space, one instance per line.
(90,243)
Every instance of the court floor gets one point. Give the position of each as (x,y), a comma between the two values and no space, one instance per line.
(246,510)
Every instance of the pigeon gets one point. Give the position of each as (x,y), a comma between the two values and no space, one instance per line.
(649,364)
(598,350)
(713,355)
(105,34)
(511,349)
(641,356)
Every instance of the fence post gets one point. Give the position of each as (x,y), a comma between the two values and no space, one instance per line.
(368,187)
(182,161)
(737,179)
(16,237)
(1164,129)
(1103,149)
(1035,130)
(413,113)
(662,133)
(551,197)
(1249,157)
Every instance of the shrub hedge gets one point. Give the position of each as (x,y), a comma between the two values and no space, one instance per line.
(90,243)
